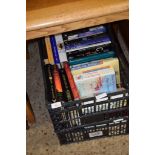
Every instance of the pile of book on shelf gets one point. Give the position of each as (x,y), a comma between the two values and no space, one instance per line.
(81,64)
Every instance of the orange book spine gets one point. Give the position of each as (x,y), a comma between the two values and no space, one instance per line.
(57,80)
(71,81)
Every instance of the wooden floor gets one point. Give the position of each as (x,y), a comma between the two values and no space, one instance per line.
(41,139)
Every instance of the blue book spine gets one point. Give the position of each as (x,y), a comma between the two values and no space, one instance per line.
(93,31)
(93,57)
(84,33)
(87,42)
(55,50)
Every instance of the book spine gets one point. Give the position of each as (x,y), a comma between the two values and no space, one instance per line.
(89,51)
(92,57)
(49,50)
(86,42)
(55,50)
(66,89)
(89,46)
(71,81)
(86,65)
(91,73)
(50,80)
(84,33)
(58,84)
(60,48)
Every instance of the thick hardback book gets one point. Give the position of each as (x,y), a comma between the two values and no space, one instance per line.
(93,57)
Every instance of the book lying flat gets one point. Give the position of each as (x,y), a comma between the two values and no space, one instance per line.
(89,46)
(87,42)
(88,58)
(76,34)
(113,62)
(89,51)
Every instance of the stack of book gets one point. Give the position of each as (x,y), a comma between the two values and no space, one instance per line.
(95,77)
(82,64)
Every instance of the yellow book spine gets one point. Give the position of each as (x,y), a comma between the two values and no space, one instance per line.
(49,50)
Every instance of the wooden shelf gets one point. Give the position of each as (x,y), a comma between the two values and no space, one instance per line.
(46,17)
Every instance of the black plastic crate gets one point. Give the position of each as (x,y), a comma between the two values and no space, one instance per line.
(86,111)
(73,120)
(115,127)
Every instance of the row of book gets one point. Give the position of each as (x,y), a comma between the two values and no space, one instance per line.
(79,46)
(81,64)
(83,80)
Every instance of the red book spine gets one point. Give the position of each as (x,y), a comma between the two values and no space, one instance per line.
(71,81)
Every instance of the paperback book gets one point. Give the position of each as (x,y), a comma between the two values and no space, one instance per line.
(89,51)
(94,82)
(113,62)
(76,34)
(92,57)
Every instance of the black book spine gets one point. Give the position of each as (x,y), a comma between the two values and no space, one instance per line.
(50,83)
(68,96)
(89,51)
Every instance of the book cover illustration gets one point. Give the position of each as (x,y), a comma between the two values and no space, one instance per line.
(60,48)
(96,82)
